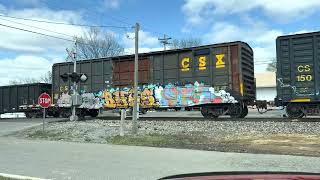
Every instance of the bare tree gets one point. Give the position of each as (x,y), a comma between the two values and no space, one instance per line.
(23,81)
(272,66)
(185,43)
(95,44)
(46,78)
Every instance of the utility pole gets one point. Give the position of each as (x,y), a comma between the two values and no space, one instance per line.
(164,41)
(74,117)
(135,95)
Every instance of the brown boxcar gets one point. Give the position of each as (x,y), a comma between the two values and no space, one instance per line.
(225,68)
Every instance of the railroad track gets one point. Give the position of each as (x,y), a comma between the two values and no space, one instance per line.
(248,119)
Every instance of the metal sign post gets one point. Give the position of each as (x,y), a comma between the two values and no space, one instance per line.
(44,117)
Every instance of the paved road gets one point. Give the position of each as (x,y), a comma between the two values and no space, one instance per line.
(8,126)
(66,160)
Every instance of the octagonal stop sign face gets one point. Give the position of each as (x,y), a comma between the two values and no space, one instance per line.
(44,100)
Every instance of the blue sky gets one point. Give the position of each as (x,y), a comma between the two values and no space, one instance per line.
(257,22)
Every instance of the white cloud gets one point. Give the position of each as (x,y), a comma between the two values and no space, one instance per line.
(260,38)
(111,4)
(23,67)
(146,40)
(197,11)
(35,54)
(16,40)
(222,32)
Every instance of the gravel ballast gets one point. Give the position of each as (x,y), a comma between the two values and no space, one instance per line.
(236,136)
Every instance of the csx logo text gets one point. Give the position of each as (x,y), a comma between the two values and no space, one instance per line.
(202,62)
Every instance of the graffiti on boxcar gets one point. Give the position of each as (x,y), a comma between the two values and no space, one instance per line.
(64,100)
(91,101)
(190,95)
(116,98)
(153,96)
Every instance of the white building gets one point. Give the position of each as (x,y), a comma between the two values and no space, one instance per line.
(266,86)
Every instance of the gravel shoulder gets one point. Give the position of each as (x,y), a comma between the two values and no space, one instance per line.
(292,138)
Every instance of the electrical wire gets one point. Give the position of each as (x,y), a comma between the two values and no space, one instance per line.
(83,25)
(51,36)
(256,62)
(36,27)
(12,27)
(64,23)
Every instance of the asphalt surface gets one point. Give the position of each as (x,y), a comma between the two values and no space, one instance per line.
(8,126)
(67,160)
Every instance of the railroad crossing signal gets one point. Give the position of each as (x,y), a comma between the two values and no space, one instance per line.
(44,100)
(74,77)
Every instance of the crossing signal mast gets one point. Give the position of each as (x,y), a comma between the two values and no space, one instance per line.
(75,78)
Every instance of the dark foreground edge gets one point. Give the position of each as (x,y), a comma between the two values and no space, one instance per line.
(245,174)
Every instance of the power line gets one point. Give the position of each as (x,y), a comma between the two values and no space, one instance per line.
(43,28)
(165,41)
(81,25)
(56,37)
(37,27)
(64,23)
(12,27)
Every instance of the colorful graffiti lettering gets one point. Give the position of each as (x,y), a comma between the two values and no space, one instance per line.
(154,96)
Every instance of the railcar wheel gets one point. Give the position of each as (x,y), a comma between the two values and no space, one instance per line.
(244,112)
(207,113)
(29,114)
(143,111)
(236,111)
(94,112)
(56,114)
(66,113)
(294,111)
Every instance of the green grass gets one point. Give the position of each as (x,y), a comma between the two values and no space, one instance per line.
(5,178)
(157,140)
(39,134)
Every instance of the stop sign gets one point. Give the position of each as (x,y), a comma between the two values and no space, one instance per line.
(44,100)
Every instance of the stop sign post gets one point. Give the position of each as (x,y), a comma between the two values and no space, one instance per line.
(44,101)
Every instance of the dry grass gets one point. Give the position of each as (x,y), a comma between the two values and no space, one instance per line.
(274,144)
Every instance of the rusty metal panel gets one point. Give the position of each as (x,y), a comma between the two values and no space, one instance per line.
(247,73)
(234,58)
(123,72)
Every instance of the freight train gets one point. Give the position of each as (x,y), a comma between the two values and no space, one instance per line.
(218,79)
